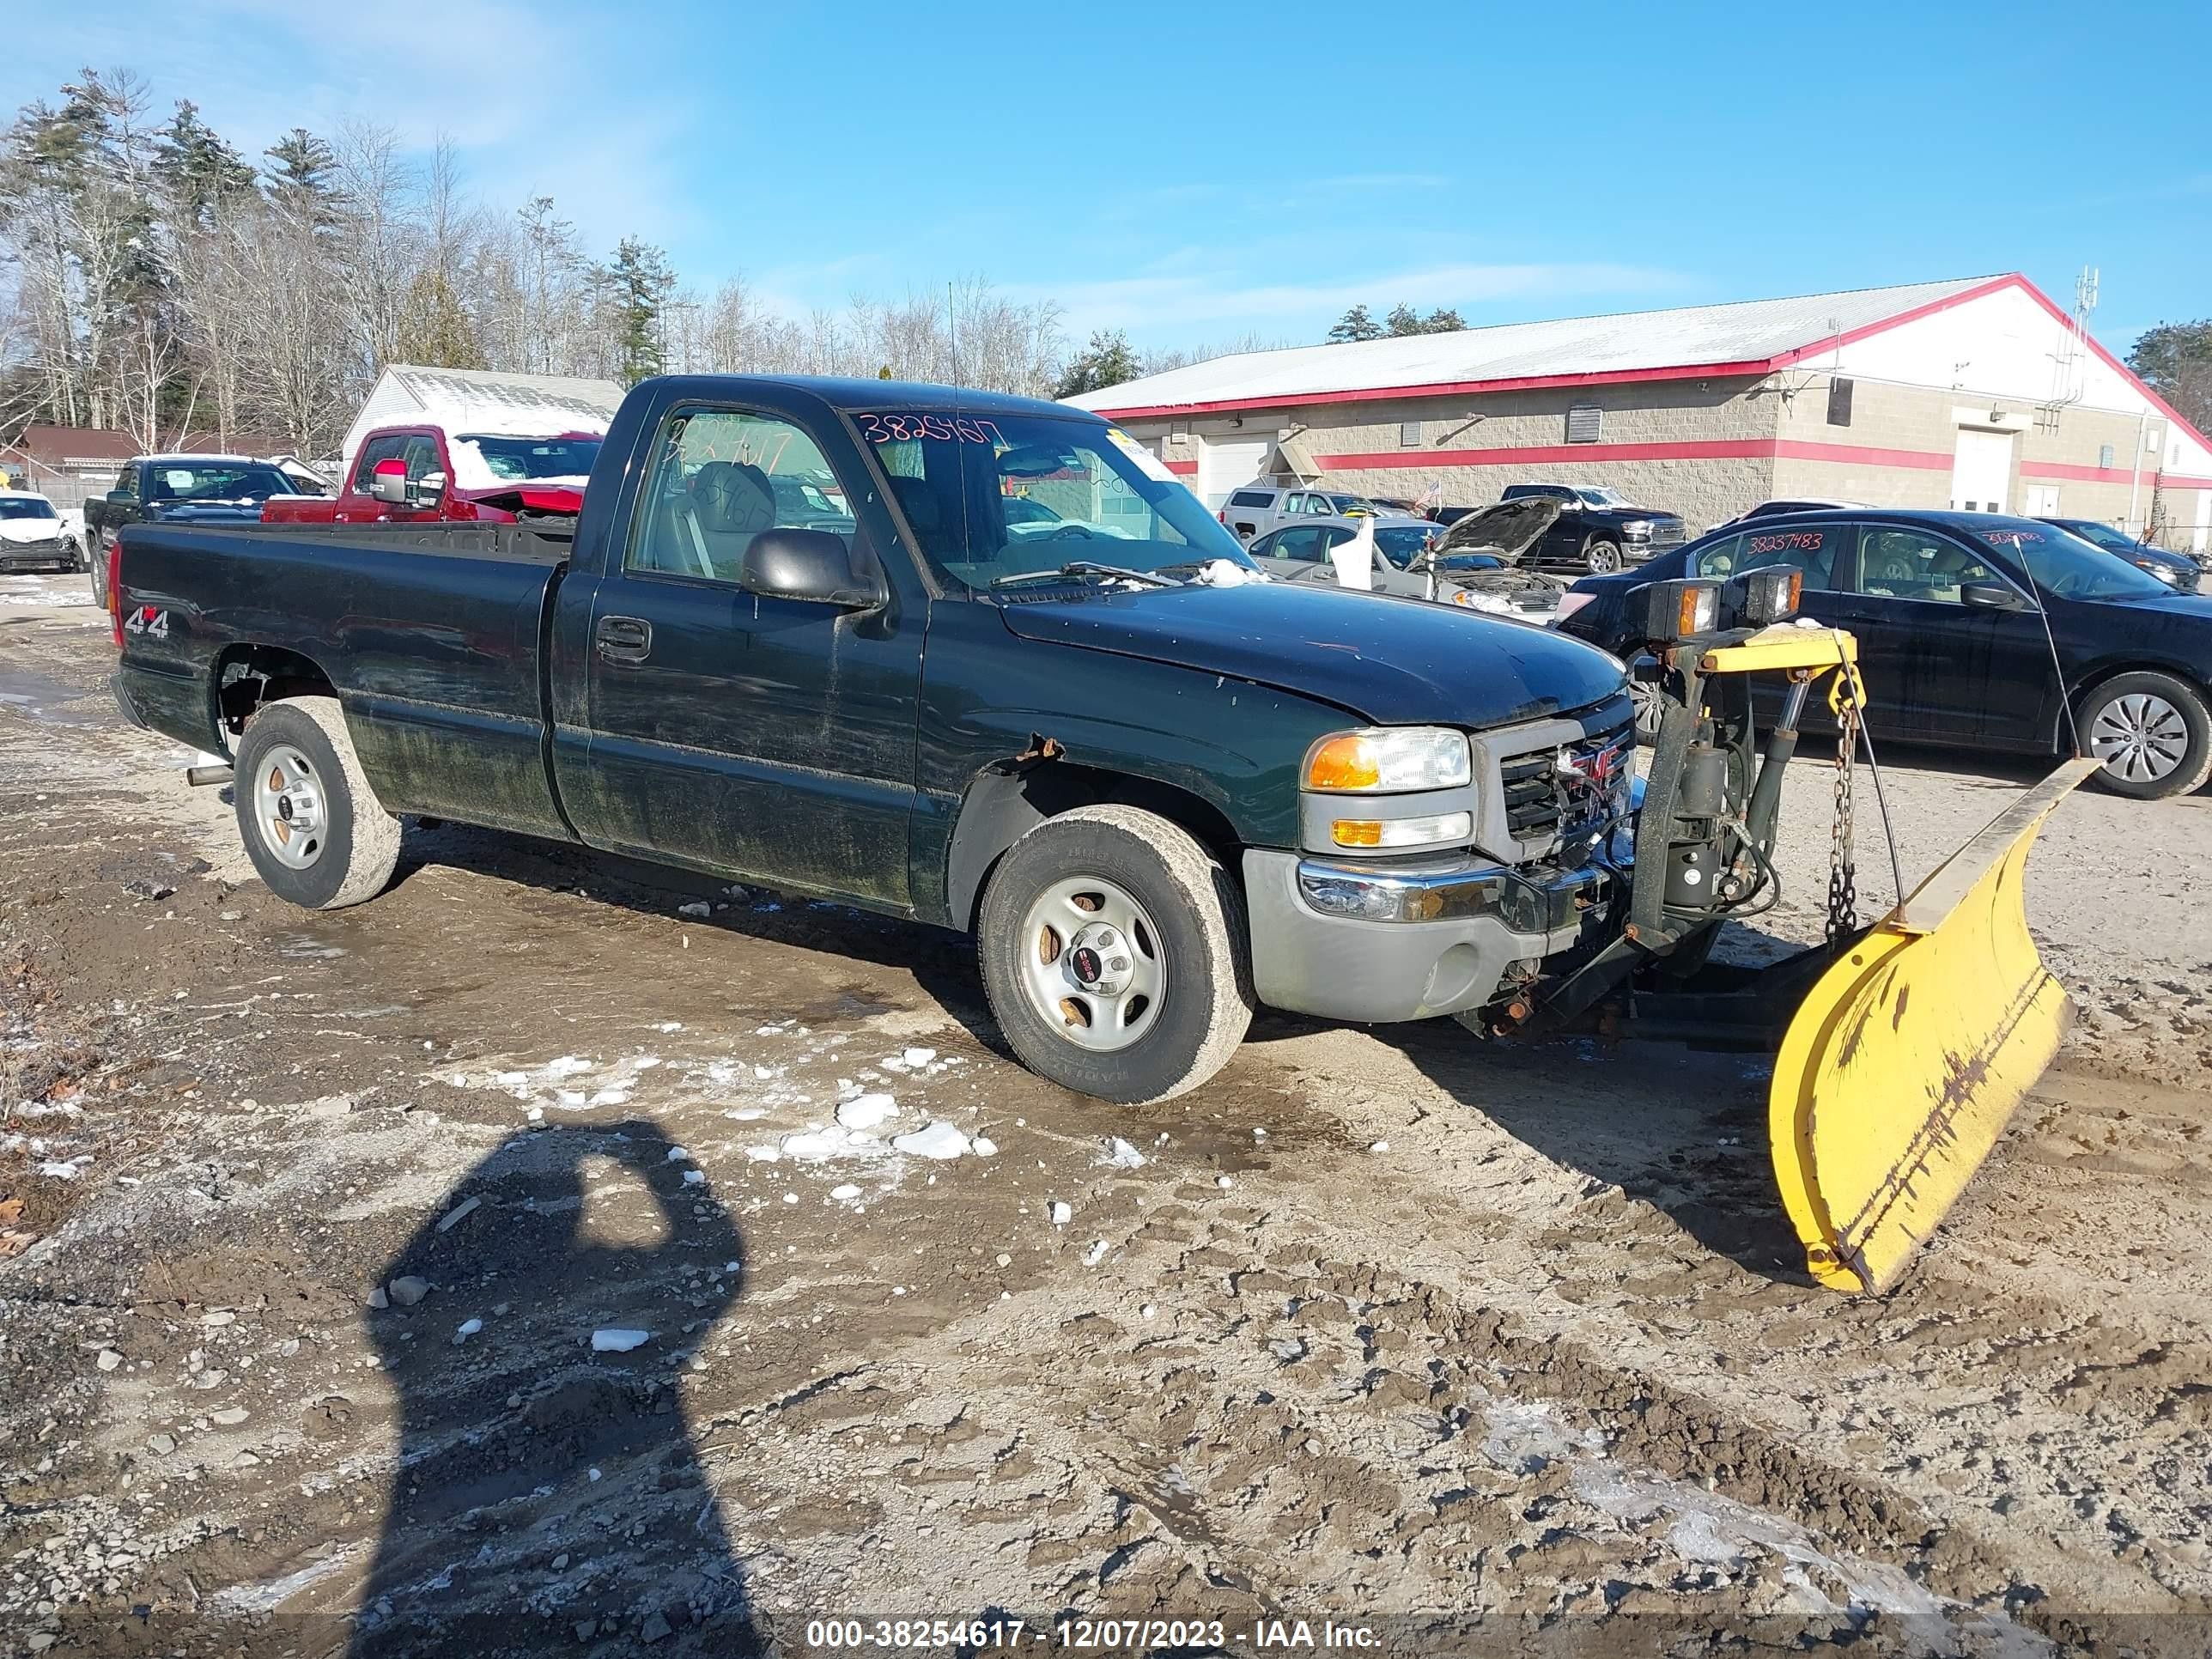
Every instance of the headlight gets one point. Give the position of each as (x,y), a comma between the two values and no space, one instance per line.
(1639,527)
(1390,760)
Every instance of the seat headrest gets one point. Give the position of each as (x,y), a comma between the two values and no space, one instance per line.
(733,498)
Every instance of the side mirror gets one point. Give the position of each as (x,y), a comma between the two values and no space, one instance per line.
(1992,596)
(387,481)
(813,565)
(426,489)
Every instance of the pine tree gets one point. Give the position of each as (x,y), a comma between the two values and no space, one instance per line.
(1107,360)
(639,283)
(1356,324)
(196,166)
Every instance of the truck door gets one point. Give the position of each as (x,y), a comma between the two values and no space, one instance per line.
(732,732)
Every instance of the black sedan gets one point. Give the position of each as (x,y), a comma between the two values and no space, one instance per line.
(2176,570)
(1979,630)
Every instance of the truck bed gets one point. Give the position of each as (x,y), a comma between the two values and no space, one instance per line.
(433,636)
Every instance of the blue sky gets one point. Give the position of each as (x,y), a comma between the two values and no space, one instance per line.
(1194,173)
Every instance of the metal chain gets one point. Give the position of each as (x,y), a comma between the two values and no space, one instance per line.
(1842,869)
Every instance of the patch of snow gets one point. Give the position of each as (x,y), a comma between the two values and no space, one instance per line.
(864,1112)
(938,1140)
(616,1340)
(1121,1155)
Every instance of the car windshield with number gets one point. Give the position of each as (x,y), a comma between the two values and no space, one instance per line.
(2063,563)
(1000,497)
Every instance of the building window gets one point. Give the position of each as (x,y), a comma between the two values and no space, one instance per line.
(1840,403)
(1409,434)
(2103,456)
(1585,423)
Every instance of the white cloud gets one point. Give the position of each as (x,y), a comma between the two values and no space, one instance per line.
(539,99)
(1209,300)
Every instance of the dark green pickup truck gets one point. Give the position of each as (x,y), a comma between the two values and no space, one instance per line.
(975,660)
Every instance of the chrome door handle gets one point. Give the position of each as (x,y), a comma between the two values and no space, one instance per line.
(623,639)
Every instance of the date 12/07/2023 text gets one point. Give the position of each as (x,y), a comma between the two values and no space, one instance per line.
(1083,1635)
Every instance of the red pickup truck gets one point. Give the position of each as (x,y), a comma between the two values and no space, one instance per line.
(421,473)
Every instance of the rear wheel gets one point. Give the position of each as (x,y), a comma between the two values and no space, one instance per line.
(1601,558)
(312,824)
(1114,955)
(2153,734)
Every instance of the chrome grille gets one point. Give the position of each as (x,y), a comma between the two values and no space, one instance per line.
(1666,532)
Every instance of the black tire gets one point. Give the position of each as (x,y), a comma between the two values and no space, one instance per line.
(1602,558)
(2121,704)
(347,842)
(1196,923)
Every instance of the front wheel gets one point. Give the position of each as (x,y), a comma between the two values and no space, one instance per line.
(312,826)
(2153,734)
(1115,955)
(1601,558)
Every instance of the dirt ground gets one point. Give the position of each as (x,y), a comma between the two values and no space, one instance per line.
(523,1263)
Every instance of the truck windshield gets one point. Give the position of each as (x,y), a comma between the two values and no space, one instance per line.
(515,460)
(213,481)
(993,496)
(1602,495)
(20,507)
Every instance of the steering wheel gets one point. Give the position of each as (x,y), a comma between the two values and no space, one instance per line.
(1071,528)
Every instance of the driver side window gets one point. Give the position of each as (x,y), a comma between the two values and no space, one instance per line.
(720,477)
(375,450)
(1912,564)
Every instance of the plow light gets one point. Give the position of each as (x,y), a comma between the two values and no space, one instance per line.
(1677,610)
(1758,597)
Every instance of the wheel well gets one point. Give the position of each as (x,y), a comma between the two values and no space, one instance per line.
(2078,698)
(248,676)
(1000,809)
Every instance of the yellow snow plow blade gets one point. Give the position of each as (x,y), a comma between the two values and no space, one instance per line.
(1902,1066)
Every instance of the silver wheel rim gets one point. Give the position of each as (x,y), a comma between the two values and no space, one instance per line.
(1646,700)
(1604,560)
(1091,963)
(2141,737)
(288,808)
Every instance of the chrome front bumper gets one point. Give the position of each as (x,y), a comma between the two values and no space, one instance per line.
(1356,942)
(1526,904)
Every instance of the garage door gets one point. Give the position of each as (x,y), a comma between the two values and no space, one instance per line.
(1225,463)
(1981,472)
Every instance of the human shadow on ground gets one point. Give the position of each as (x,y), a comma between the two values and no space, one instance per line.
(548,1493)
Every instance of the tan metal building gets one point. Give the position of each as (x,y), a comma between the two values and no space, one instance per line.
(1978,394)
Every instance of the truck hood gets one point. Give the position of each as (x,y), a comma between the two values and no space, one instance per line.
(1393,662)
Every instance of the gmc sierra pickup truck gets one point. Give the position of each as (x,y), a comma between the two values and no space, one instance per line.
(798,637)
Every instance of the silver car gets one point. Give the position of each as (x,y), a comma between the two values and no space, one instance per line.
(1411,563)
(1258,508)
